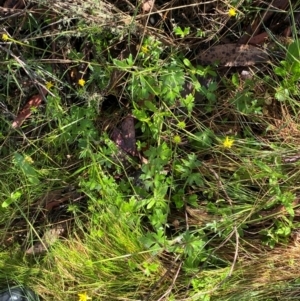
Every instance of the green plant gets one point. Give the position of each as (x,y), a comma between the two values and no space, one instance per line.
(206,208)
(289,71)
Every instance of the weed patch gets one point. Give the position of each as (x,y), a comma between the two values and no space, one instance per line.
(150,151)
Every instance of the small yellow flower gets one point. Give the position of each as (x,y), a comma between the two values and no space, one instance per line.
(232,12)
(5,37)
(144,49)
(81,82)
(227,143)
(28,159)
(84,297)
(49,85)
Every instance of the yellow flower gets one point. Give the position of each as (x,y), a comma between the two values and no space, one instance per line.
(144,49)
(49,85)
(81,82)
(28,159)
(232,12)
(84,297)
(5,37)
(227,143)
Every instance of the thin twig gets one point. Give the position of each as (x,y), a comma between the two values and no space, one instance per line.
(219,183)
(172,284)
(161,279)
(236,251)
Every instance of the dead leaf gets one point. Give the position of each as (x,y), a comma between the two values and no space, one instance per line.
(251,30)
(147,6)
(34,102)
(232,55)
(125,137)
(55,198)
(259,39)
(49,238)
(152,15)
(14,4)
(256,26)
(291,159)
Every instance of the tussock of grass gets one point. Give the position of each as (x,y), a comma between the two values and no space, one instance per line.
(269,276)
(109,264)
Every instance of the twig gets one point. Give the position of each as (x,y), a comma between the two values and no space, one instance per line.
(219,183)
(172,284)
(163,277)
(236,251)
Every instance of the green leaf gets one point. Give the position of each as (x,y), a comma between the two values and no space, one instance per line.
(282,70)
(188,63)
(182,33)
(164,151)
(193,199)
(235,80)
(195,178)
(150,106)
(13,197)
(295,68)
(293,52)
(188,102)
(124,64)
(212,87)
(281,94)
(141,115)
(203,139)
(27,169)
(171,83)
(151,203)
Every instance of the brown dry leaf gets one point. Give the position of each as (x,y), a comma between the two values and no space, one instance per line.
(34,102)
(259,39)
(56,198)
(49,238)
(147,6)
(232,55)
(256,26)
(251,30)
(14,4)
(125,137)
(151,13)
(291,159)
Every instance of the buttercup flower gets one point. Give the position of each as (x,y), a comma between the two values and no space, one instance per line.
(84,297)
(49,85)
(81,82)
(232,12)
(228,142)
(144,49)
(28,159)
(5,37)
